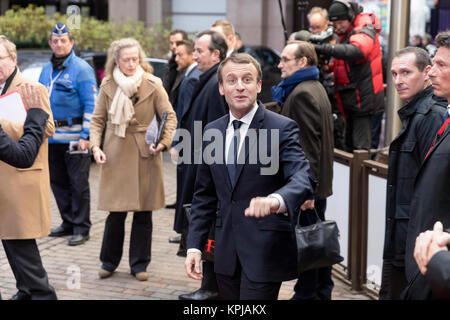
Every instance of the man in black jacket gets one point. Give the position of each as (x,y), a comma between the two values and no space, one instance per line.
(206,105)
(421,117)
(21,154)
(431,199)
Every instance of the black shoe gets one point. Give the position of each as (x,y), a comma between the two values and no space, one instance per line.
(200,294)
(171,206)
(78,239)
(176,239)
(182,252)
(60,231)
(20,295)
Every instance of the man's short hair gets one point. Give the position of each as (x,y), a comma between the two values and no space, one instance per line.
(217,43)
(318,10)
(422,57)
(182,32)
(242,58)
(9,46)
(227,27)
(307,50)
(443,39)
(189,44)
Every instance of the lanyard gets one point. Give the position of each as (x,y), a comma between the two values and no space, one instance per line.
(52,81)
(439,134)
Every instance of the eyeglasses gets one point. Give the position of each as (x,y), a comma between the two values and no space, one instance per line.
(285,60)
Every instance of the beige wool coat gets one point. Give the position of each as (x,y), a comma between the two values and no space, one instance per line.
(25,193)
(132,179)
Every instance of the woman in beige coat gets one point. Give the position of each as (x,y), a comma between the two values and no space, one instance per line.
(131,173)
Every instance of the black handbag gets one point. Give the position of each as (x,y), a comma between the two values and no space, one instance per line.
(317,244)
(208,251)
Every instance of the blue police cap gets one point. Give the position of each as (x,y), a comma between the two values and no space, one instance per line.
(60,29)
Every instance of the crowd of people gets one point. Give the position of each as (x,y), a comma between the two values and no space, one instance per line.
(331,95)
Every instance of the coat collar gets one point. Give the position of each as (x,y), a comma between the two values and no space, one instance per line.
(16,82)
(109,87)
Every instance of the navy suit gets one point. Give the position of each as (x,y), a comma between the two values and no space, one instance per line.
(185,91)
(265,248)
(206,105)
(430,203)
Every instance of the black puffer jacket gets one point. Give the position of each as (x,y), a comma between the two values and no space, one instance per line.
(421,119)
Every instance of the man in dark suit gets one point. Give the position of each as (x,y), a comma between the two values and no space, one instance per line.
(184,57)
(433,258)
(251,202)
(304,99)
(21,154)
(421,118)
(206,105)
(431,199)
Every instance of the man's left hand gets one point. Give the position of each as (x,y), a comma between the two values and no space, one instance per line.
(83,144)
(262,206)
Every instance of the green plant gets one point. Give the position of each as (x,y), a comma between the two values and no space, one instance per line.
(30,28)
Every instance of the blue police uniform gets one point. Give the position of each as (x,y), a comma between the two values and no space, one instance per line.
(72,89)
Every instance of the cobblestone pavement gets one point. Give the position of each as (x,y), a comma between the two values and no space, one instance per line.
(73,271)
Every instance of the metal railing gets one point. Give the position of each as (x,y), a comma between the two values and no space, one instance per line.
(360,218)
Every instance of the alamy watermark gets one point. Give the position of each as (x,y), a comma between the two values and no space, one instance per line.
(259,146)
(74,17)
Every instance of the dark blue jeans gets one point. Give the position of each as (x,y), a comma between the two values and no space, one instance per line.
(316,283)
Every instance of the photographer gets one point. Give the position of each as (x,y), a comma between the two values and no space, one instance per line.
(322,32)
(357,70)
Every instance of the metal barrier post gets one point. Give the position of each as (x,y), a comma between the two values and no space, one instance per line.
(355,219)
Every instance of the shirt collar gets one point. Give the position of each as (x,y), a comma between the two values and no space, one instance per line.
(247,119)
(190,68)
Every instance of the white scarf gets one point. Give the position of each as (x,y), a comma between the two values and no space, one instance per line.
(122,109)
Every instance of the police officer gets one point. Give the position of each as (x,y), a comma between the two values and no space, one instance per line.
(72,88)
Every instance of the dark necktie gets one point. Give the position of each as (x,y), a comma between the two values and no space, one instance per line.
(233,152)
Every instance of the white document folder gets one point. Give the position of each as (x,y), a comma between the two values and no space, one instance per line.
(12,107)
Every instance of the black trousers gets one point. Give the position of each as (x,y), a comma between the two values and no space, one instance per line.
(140,241)
(358,133)
(26,264)
(240,287)
(393,281)
(315,283)
(209,281)
(69,179)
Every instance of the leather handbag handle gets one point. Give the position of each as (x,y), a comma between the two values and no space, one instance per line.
(315,212)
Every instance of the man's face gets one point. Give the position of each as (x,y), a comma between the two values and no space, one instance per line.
(240,86)
(128,60)
(317,23)
(288,63)
(183,58)
(341,26)
(173,39)
(203,56)
(440,73)
(60,45)
(407,78)
(230,39)
(7,64)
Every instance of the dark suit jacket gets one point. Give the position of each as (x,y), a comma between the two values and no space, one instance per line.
(430,203)
(438,274)
(206,105)
(21,154)
(265,247)
(186,90)
(308,105)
